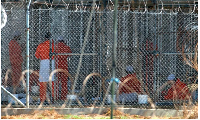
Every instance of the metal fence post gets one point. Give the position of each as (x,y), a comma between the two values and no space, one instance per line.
(114,57)
(27,52)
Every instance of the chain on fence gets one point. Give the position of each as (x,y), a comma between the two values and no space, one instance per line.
(156,57)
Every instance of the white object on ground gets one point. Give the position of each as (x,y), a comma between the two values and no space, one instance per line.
(142,99)
(71,97)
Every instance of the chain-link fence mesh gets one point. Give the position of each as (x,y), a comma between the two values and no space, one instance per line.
(153,49)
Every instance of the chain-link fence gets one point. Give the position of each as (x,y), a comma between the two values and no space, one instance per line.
(156,56)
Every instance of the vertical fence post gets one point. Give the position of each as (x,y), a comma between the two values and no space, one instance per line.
(51,54)
(27,52)
(114,58)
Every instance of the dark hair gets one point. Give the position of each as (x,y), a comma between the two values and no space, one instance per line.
(128,72)
(62,41)
(48,35)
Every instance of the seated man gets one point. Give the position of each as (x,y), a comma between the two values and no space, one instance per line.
(129,87)
(178,90)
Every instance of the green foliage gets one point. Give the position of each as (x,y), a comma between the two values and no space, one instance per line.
(123,117)
(73,117)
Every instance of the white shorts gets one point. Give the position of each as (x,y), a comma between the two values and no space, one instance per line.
(44,70)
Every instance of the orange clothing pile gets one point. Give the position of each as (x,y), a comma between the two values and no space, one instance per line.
(178,91)
(133,84)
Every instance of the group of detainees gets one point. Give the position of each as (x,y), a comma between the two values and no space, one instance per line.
(41,53)
(129,84)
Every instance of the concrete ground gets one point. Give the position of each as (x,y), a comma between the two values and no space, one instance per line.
(92,110)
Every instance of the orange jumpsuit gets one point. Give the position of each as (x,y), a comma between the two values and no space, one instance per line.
(15,54)
(178,91)
(133,84)
(42,53)
(61,63)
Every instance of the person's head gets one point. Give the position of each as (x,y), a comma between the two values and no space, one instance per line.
(61,39)
(47,35)
(129,69)
(17,35)
(171,78)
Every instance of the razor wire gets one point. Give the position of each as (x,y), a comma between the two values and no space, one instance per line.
(153,43)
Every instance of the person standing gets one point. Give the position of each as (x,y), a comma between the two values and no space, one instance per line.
(16,60)
(42,53)
(61,63)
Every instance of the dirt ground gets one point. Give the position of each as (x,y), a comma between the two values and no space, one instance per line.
(52,114)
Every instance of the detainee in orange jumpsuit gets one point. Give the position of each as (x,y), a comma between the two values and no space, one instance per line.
(42,53)
(129,87)
(178,91)
(61,63)
(16,60)
(132,85)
